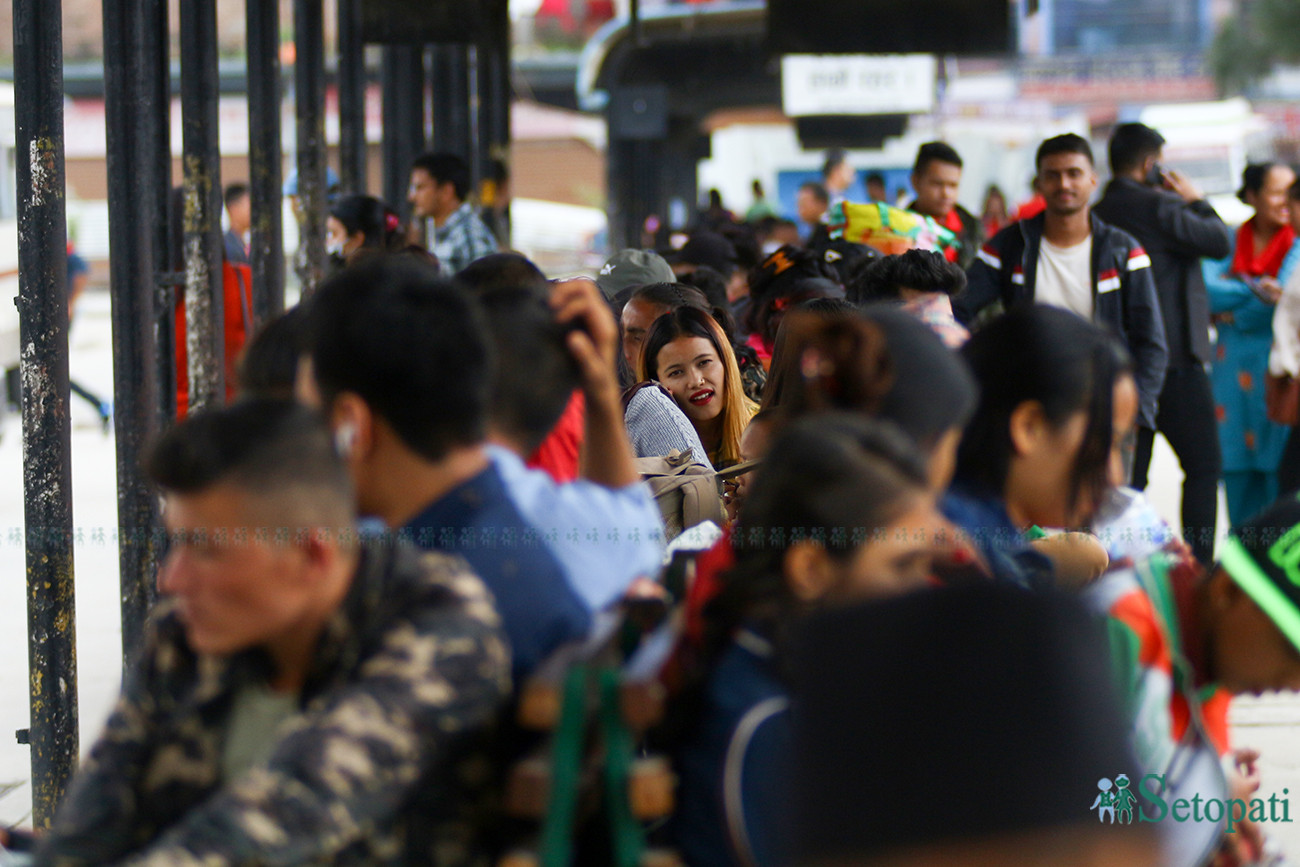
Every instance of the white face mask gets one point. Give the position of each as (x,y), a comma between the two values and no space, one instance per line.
(334,247)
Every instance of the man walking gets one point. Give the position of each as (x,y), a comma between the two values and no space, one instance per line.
(1165,211)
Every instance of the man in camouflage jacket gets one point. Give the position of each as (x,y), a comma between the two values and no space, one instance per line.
(369,764)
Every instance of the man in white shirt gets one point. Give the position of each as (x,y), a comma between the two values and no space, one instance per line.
(1069,258)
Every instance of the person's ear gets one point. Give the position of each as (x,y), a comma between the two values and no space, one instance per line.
(809,571)
(353,424)
(1027,426)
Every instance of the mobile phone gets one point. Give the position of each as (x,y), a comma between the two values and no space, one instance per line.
(1156,177)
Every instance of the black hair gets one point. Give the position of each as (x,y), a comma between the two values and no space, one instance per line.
(234,192)
(835,157)
(710,282)
(671,295)
(267,447)
(1131,144)
(923,270)
(876,178)
(1253,178)
(409,343)
(745,241)
(786,277)
(535,373)
(503,271)
(445,168)
(834,479)
(378,224)
(818,191)
(1056,359)
(1066,143)
(268,366)
(1293,192)
(935,151)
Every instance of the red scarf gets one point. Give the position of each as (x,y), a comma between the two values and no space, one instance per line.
(1246,263)
(952,222)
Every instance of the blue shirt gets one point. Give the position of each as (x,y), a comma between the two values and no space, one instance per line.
(539,609)
(603,537)
(734,770)
(983,517)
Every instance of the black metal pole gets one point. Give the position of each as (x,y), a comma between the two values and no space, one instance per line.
(133,182)
(264,156)
(403,86)
(169,259)
(474,103)
(309,96)
(500,93)
(47,433)
(352,98)
(204,315)
(451,100)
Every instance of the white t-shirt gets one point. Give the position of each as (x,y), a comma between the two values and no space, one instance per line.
(1064,277)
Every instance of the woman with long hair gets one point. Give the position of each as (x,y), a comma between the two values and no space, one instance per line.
(1244,292)
(1044,446)
(840,511)
(687,352)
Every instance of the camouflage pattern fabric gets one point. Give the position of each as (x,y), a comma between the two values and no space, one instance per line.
(376,768)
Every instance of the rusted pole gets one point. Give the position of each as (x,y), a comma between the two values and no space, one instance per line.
(204,314)
(309,96)
(47,433)
(135,190)
(264,156)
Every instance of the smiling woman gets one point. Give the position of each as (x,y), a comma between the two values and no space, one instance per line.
(687,353)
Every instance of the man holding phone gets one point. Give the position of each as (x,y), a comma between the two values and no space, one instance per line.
(1169,216)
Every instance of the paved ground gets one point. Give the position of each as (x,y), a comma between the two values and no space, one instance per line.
(1269,723)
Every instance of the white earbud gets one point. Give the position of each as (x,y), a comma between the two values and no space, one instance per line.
(345,439)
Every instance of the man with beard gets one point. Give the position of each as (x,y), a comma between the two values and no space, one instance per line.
(1067,257)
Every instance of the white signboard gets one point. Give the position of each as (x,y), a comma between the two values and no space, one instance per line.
(815,84)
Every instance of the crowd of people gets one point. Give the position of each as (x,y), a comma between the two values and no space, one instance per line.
(935,608)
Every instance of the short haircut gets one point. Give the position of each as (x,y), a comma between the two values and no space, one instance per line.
(503,271)
(818,191)
(409,343)
(1131,144)
(273,449)
(1066,143)
(234,192)
(268,365)
(935,151)
(835,157)
(445,168)
(923,270)
(535,373)
(876,178)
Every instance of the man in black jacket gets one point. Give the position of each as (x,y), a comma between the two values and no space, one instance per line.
(1165,211)
(1067,257)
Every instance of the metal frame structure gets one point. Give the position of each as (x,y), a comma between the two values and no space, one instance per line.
(151,263)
